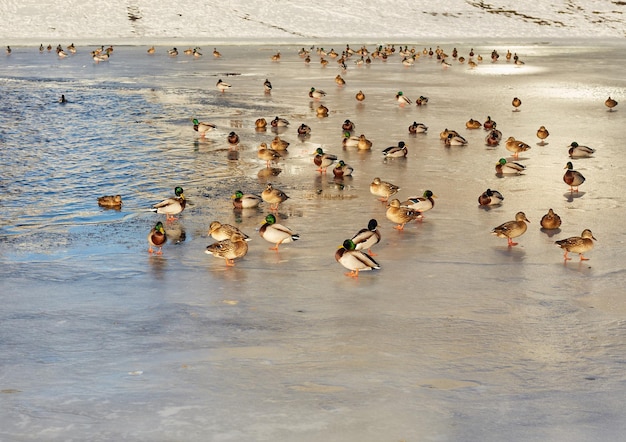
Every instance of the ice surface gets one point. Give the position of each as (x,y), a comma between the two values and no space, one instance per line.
(457,337)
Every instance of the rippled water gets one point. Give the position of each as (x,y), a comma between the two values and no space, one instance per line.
(457,337)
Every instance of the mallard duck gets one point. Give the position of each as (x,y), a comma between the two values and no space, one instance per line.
(233,138)
(354,260)
(421,101)
(157,238)
(188,51)
(220,232)
(196,52)
(360,96)
(171,206)
(273,196)
(383,189)
(402,99)
(342,170)
(542,134)
(396,151)
(364,143)
(276,56)
(339,80)
(275,233)
(473,124)
(572,177)
(316,94)
(260,124)
(245,200)
(279,122)
(323,160)
(222,86)
(578,151)
(151,50)
(321,111)
(515,146)
(610,103)
(267,86)
(268,155)
(417,128)
(348,126)
(422,203)
(577,244)
(455,140)
(512,229)
(303,129)
(216,53)
(350,140)
(279,144)
(490,198)
(367,238)
(493,138)
(444,134)
(550,221)
(504,167)
(173,52)
(112,201)
(201,127)
(229,249)
(399,214)
(489,123)
(516,104)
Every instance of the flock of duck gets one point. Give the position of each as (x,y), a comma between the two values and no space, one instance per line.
(355,253)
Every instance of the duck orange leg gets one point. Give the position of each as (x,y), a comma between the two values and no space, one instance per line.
(353,274)
(511,243)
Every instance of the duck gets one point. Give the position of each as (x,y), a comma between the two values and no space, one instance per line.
(400,215)
(577,244)
(273,196)
(222,86)
(610,103)
(348,126)
(364,143)
(151,50)
(316,94)
(201,127)
(516,104)
(422,203)
(245,200)
(342,170)
(216,53)
(493,138)
(504,167)
(267,86)
(260,124)
(396,151)
(350,140)
(173,52)
(455,140)
(360,96)
(383,189)
(572,177)
(515,146)
(489,123)
(323,160)
(473,124)
(578,151)
(267,154)
(321,111)
(157,238)
(402,99)
(229,249)
(542,134)
(196,52)
(220,232)
(417,128)
(276,56)
(275,233)
(279,144)
(303,129)
(354,260)
(490,198)
(233,138)
(443,135)
(421,101)
(512,229)
(188,51)
(171,206)
(279,122)
(367,237)
(340,81)
(111,201)
(550,221)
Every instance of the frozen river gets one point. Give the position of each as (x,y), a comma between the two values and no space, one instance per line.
(457,337)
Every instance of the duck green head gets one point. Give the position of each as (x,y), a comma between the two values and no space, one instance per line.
(270,219)
(372,224)
(428,194)
(238,194)
(346,134)
(574,144)
(159,227)
(178,191)
(319,151)
(569,165)
(341,163)
(312,89)
(502,161)
(195,121)
(400,93)
(348,244)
